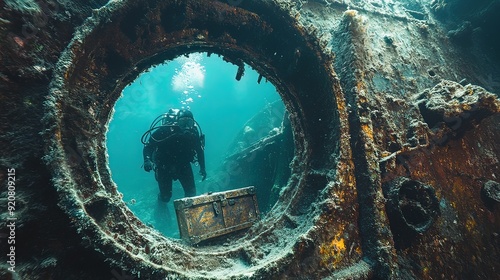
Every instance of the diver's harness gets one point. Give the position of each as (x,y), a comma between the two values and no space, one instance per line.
(165,121)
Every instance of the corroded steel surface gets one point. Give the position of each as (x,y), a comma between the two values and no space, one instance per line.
(396,167)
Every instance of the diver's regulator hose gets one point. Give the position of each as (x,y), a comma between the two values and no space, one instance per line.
(148,135)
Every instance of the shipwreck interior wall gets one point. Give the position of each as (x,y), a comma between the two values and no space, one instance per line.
(394,118)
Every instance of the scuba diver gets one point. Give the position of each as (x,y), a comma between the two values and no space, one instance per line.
(173,141)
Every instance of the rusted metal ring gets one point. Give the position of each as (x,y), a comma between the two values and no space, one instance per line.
(412,206)
(97,65)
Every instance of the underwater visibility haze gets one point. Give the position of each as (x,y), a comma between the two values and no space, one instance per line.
(391,172)
(221,105)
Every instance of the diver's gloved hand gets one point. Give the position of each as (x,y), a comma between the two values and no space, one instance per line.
(148,165)
(203,174)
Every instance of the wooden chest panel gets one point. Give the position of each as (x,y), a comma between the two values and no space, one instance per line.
(211,215)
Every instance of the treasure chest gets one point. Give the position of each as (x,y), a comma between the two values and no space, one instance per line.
(215,214)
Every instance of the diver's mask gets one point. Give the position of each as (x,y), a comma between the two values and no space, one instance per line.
(185,123)
(170,117)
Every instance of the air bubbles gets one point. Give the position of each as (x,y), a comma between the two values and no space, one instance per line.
(190,77)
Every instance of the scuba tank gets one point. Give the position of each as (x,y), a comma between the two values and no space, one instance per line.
(170,119)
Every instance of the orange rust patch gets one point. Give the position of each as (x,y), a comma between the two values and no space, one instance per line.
(367,131)
(332,253)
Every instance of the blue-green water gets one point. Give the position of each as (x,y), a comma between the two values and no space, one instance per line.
(220,104)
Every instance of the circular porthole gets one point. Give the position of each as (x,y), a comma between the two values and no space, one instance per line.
(123,39)
(248,141)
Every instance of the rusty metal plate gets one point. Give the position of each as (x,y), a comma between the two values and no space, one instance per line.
(211,215)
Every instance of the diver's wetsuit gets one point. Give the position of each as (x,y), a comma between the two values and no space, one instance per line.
(172,150)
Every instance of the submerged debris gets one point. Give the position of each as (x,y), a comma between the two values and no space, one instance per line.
(328,60)
(449,107)
(491,193)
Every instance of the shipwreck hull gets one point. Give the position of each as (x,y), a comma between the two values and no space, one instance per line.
(395,169)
